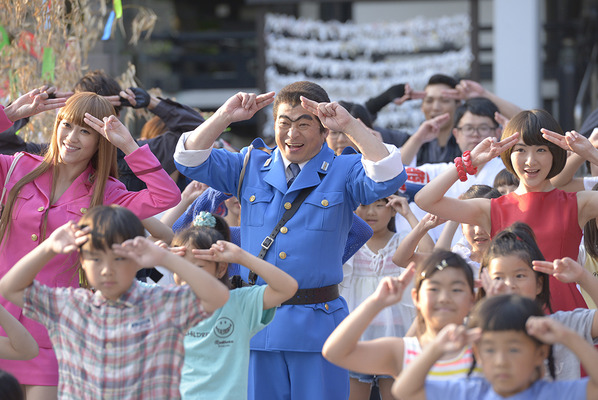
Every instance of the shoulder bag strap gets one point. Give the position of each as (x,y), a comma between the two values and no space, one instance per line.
(288,214)
(8,175)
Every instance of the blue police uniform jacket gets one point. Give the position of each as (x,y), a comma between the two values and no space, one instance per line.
(311,247)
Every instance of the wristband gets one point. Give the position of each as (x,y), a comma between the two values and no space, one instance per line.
(460,169)
(471,170)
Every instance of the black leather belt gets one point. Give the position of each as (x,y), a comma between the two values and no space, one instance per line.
(313,296)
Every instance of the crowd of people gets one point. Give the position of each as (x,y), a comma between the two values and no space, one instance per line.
(346,261)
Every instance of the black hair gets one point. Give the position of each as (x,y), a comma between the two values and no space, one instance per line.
(358,111)
(291,94)
(101,83)
(438,261)
(441,79)
(505,178)
(111,225)
(518,240)
(528,123)
(508,312)
(203,237)
(479,106)
(10,388)
(480,192)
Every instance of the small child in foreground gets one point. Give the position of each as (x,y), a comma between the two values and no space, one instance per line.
(125,340)
(217,349)
(511,339)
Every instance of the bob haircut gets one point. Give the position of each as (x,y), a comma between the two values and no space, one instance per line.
(528,123)
(291,94)
(518,240)
(505,178)
(508,312)
(111,225)
(103,161)
(203,237)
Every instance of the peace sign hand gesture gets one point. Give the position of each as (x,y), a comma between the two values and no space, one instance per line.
(114,131)
(35,102)
(390,289)
(332,115)
(489,148)
(571,141)
(243,106)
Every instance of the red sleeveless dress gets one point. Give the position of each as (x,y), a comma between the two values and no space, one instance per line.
(553,218)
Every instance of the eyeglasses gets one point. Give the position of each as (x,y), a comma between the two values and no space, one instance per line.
(483,130)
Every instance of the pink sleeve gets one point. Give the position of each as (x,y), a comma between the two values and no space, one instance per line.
(161,194)
(5,123)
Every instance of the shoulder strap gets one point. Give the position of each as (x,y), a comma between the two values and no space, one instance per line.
(10,170)
(242,174)
(288,214)
(245,161)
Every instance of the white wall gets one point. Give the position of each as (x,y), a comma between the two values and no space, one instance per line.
(372,11)
(517,62)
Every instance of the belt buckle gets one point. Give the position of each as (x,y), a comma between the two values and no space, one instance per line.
(267,242)
(252,278)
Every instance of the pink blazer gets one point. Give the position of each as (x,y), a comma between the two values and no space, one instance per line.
(5,123)
(33,202)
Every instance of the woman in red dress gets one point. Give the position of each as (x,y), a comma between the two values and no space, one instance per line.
(533,148)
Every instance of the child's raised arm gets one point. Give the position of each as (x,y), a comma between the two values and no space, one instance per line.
(158,229)
(191,192)
(18,343)
(405,252)
(568,270)
(383,356)
(281,286)
(401,206)
(410,384)
(212,293)
(65,239)
(550,331)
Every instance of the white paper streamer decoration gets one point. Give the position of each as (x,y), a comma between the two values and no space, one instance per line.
(355,62)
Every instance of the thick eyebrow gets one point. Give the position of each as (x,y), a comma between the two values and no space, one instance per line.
(303,116)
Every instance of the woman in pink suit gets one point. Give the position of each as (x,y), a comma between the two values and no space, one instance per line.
(44,192)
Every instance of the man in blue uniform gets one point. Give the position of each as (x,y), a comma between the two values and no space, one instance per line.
(286,360)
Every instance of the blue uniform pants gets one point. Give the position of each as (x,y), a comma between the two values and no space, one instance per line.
(286,375)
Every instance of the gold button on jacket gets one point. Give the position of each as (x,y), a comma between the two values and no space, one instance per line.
(34,237)
(284,229)
(282,255)
(287,205)
(325,203)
